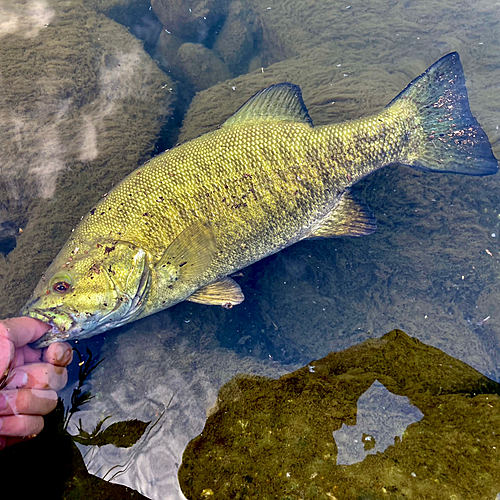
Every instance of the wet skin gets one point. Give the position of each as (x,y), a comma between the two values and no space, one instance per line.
(29,378)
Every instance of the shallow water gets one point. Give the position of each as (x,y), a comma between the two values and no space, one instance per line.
(84,101)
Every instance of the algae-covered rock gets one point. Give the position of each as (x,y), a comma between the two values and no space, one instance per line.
(201,67)
(202,64)
(107,5)
(276,438)
(81,105)
(235,42)
(193,19)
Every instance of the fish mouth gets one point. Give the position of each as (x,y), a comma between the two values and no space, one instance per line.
(62,326)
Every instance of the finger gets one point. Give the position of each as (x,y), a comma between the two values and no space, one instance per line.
(38,376)
(30,354)
(27,402)
(59,354)
(6,355)
(22,331)
(21,425)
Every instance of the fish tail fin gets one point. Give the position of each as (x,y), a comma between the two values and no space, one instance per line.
(453,141)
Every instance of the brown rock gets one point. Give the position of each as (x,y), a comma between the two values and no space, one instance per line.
(235,41)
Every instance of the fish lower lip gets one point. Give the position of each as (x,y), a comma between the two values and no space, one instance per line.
(62,327)
(47,318)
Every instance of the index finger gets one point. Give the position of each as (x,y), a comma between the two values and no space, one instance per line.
(22,331)
(7,352)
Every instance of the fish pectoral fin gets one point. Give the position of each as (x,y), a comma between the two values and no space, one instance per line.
(225,292)
(190,254)
(277,102)
(350,217)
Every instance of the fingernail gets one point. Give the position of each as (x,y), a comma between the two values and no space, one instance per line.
(19,380)
(62,354)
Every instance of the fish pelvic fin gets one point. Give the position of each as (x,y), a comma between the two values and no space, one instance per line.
(224,292)
(453,140)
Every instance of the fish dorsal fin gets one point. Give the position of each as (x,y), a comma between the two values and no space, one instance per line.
(350,217)
(190,254)
(225,292)
(282,101)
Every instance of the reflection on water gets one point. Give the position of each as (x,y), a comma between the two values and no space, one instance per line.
(381,419)
(82,104)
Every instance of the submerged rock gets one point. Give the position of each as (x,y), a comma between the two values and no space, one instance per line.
(201,67)
(192,20)
(205,42)
(236,39)
(280,438)
(81,105)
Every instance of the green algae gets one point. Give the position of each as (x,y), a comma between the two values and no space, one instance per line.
(273,438)
(81,105)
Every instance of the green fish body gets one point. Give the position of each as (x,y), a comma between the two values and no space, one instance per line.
(179,225)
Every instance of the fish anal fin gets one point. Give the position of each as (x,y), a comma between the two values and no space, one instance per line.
(190,254)
(350,217)
(224,292)
(277,102)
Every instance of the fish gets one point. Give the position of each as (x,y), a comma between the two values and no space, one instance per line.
(181,224)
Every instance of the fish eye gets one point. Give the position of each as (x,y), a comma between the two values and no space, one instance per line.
(61,287)
(61,284)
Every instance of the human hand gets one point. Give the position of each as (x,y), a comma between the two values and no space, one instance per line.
(30,378)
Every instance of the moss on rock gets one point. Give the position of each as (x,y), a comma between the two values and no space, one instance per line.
(273,438)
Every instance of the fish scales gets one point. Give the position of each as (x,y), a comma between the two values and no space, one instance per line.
(175,228)
(271,190)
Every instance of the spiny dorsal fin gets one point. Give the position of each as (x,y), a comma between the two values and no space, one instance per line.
(350,217)
(225,292)
(278,102)
(190,254)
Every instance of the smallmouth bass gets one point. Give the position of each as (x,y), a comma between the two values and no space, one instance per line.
(180,224)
